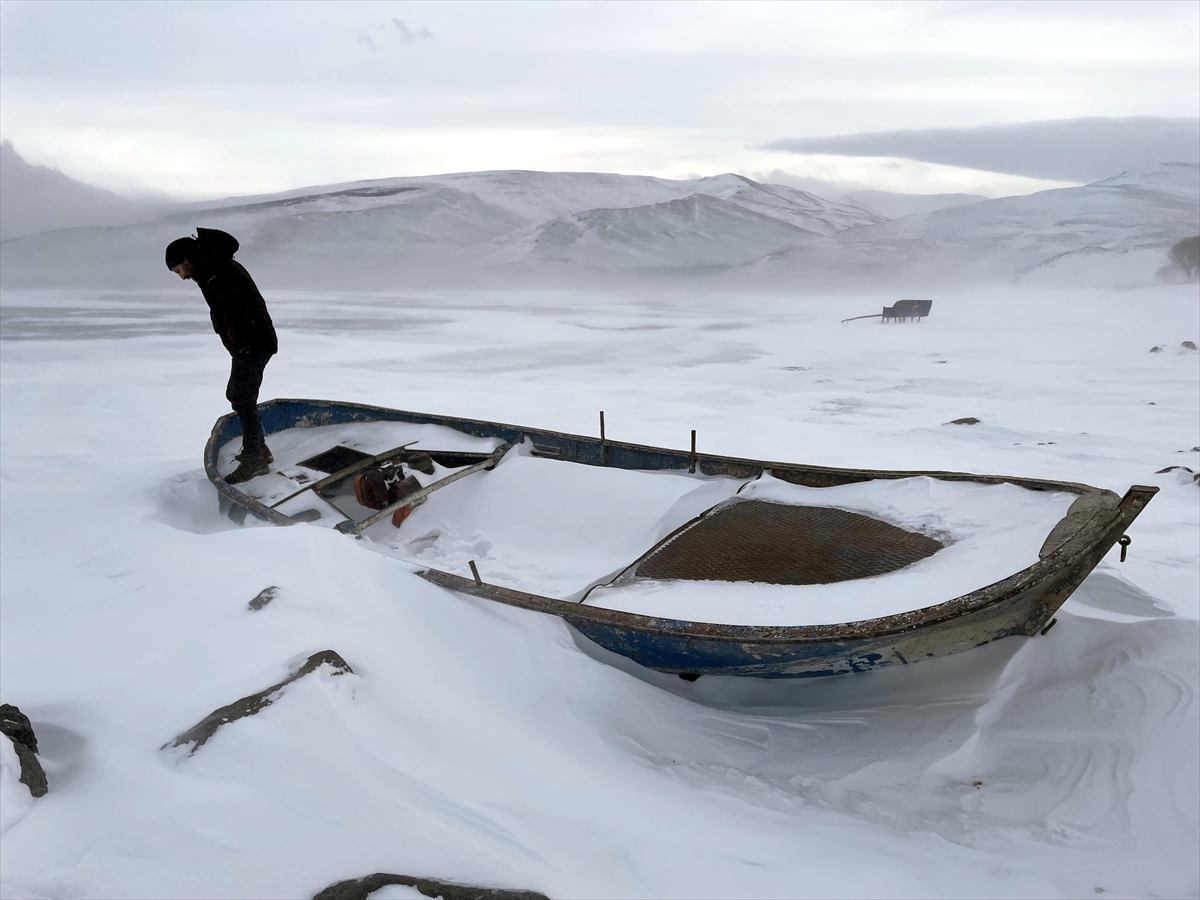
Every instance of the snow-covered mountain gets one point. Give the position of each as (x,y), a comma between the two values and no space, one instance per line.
(536,197)
(697,230)
(788,204)
(892,205)
(524,226)
(429,227)
(1112,232)
(34,199)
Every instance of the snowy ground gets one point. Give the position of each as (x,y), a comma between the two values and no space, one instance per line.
(479,743)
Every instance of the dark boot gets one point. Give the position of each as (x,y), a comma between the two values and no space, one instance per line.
(265,450)
(252,463)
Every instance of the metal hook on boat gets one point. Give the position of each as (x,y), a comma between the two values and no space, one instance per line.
(1050,625)
(1125,540)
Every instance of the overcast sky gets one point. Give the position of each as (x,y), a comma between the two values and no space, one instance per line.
(212,99)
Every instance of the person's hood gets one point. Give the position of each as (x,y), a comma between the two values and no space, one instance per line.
(216,245)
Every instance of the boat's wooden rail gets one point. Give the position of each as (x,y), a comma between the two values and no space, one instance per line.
(280,415)
(1095,537)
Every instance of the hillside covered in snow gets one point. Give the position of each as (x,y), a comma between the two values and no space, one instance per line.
(438,228)
(1115,232)
(526,228)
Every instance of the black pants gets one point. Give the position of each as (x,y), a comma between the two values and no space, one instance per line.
(245,378)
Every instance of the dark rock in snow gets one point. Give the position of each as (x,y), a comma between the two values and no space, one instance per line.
(263,597)
(361,888)
(1156,349)
(17,727)
(1188,345)
(966,420)
(33,776)
(199,733)
(1181,474)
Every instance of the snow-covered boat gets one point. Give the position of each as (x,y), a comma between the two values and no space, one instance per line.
(829,570)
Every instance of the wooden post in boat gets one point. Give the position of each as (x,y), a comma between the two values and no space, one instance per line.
(692,468)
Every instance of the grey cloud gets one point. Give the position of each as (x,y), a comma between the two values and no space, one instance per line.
(1079,150)
(408,33)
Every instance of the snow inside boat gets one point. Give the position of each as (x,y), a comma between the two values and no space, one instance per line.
(687,562)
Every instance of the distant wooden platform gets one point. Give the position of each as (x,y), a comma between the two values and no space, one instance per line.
(907,310)
(901,311)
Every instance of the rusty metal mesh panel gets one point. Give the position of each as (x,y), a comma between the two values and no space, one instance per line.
(775,543)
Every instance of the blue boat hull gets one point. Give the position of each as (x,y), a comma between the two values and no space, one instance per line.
(1022,604)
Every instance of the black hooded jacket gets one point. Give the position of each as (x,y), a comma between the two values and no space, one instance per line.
(238,312)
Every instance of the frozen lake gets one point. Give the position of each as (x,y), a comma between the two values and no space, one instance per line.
(478,743)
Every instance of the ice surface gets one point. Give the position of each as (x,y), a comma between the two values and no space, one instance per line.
(481,744)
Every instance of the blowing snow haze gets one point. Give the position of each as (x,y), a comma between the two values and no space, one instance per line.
(34,199)
(538,228)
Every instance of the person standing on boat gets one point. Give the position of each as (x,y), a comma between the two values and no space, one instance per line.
(239,316)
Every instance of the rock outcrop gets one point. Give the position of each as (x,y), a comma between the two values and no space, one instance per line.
(361,888)
(199,733)
(16,725)
(262,598)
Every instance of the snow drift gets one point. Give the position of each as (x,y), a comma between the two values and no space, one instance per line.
(479,743)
